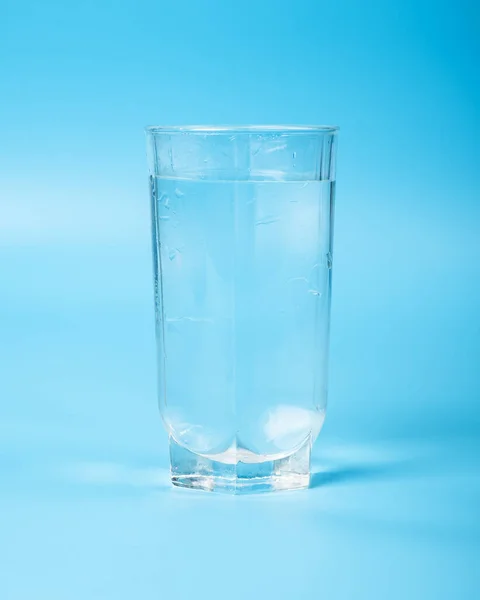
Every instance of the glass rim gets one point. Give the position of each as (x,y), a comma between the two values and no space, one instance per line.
(234,129)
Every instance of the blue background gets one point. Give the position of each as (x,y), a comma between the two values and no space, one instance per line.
(86,510)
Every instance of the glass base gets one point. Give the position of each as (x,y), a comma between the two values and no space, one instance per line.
(239,471)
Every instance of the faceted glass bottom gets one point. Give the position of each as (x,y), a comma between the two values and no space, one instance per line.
(238,471)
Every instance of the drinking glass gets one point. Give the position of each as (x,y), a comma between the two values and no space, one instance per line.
(242,222)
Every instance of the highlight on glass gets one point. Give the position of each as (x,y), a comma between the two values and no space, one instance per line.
(242,223)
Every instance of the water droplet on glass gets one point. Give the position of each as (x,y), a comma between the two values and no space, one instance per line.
(174,252)
(315,292)
(268,220)
(178,193)
(275,148)
(294,155)
(152,187)
(164,200)
(164,218)
(329,260)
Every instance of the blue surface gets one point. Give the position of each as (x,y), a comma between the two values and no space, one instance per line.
(85,506)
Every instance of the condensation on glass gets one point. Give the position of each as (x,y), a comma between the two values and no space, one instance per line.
(242,221)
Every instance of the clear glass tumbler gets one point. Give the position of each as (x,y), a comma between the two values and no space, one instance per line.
(242,221)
